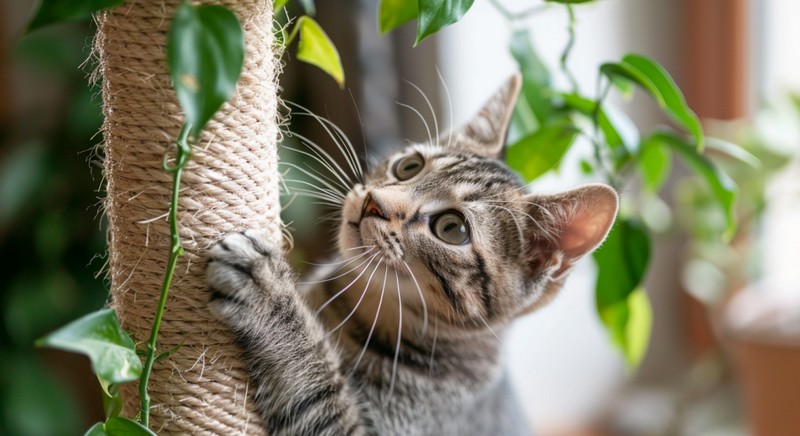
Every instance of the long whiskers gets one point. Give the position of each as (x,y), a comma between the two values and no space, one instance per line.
(374,321)
(433,113)
(329,279)
(425,123)
(360,299)
(342,291)
(399,336)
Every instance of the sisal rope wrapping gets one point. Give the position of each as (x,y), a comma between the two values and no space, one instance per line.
(231,184)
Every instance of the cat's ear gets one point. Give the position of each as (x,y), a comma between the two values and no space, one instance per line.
(485,133)
(569,226)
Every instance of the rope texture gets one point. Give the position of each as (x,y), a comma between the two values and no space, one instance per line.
(231,184)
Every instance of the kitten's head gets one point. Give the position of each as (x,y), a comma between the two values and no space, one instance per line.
(479,246)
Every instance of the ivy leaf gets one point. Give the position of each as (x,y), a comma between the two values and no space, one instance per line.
(654,164)
(722,187)
(394,13)
(621,263)
(317,49)
(205,52)
(654,79)
(119,426)
(542,150)
(536,82)
(434,15)
(99,336)
(61,11)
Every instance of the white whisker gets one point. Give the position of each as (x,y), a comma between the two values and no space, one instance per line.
(430,107)
(335,296)
(360,299)
(449,109)
(340,268)
(374,321)
(425,123)
(399,336)
(421,297)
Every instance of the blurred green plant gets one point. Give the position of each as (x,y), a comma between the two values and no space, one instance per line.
(50,240)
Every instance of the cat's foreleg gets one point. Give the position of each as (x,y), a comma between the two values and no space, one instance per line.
(299,388)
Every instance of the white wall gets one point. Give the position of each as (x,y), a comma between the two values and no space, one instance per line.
(560,357)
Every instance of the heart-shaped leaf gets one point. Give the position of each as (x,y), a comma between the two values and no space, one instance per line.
(60,11)
(435,15)
(99,336)
(205,52)
(654,164)
(119,426)
(317,49)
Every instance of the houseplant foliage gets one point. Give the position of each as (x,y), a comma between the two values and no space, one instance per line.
(205,53)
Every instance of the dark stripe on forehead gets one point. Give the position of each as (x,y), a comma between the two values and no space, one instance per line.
(482,277)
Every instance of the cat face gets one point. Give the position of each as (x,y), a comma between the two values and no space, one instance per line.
(456,217)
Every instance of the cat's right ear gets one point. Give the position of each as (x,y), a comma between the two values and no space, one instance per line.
(485,133)
(567,226)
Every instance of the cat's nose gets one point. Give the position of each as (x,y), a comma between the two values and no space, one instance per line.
(372,207)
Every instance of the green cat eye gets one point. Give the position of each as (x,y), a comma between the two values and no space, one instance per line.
(450,227)
(408,167)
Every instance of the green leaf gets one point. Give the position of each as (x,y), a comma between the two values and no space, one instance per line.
(394,13)
(60,11)
(616,142)
(654,164)
(279,4)
(536,82)
(655,80)
(112,400)
(434,15)
(621,263)
(317,49)
(734,151)
(119,426)
(537,153)
(99,336)
(630,322)
(205,52)
(308,6)
(722,187)
(96,430)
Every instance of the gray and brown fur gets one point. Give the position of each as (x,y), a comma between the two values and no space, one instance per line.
(402,333)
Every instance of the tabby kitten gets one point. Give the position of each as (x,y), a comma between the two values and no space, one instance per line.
(439,249)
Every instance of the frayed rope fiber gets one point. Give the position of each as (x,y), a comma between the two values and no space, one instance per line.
(231,184)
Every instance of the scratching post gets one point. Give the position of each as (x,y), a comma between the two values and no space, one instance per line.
(231,184)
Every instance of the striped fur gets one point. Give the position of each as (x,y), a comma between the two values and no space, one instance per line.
(401,333)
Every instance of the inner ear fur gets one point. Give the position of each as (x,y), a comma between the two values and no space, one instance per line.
(569,225)
(485,133)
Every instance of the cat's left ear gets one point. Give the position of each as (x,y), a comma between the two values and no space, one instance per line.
(569,226)
(485,133)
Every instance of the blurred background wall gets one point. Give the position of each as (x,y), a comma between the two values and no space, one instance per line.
(730,57)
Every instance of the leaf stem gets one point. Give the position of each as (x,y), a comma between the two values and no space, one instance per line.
(184,150)
(516,16)
(568,49)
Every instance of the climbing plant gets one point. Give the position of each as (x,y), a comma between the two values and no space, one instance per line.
(205,52)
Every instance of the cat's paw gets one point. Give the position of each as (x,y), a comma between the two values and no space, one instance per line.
(243,268)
